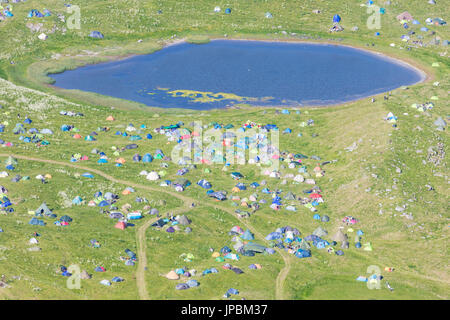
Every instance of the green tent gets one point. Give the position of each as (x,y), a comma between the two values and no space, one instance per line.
(304,245)
(289,196)
(251,246)
(43,209)
(182,182)
(320,232)
(11,161)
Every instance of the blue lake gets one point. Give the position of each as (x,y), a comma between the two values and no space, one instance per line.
(223,73)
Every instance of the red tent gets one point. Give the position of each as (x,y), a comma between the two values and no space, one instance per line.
(315,196)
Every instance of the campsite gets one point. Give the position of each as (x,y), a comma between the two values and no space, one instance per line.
(202,192)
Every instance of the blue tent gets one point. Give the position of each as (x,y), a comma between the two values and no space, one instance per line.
(192,283)
(207,271)
(232,291)
(66,218)
(87,175)
(182,286)
(336,18)
(103,204)
(117,279)
(204,184)
(225,249)
(273,236)
(303,253)
(227,10)
(269,127)
(96,35)
(241,186)
(6,204)
(36,222)
(321,244)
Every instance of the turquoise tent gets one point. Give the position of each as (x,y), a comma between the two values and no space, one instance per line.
(247,235)
(147,158)
(77,200)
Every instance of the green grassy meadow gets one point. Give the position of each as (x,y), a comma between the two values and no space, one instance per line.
(365,183)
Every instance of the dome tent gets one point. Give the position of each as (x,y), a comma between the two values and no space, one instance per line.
(248,235)
(336,18)
(96,35)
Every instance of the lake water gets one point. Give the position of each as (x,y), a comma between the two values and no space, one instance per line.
(223,73)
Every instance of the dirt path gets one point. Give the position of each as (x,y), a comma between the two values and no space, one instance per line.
(5,295)
(142,259)
(142,253)
(140,237)
(279,284)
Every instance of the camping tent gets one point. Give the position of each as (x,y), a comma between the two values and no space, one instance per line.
(96,35)
(43,209)
(248,235)
(336,18)
(405,16)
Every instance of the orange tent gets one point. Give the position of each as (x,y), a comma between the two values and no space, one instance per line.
(120,160)
(110,118)
(120,225)
(126,191)
(76,136)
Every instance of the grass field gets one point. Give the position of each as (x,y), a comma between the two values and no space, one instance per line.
(388,168)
